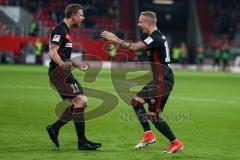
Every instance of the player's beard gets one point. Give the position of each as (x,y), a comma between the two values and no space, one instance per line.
(76,25)
(142,30)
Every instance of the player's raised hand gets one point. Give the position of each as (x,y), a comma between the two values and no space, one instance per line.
(66,65)
(109,36)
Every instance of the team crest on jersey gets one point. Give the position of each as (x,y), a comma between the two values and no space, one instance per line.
(148,40)
(68,37)
(56,38)
(148,53)
(152,101)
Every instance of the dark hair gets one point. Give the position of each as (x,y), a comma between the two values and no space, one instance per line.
(72,9)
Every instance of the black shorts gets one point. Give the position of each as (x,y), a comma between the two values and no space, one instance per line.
(64,83)
(156,92)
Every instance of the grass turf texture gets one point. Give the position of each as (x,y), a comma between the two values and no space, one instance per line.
(203,111)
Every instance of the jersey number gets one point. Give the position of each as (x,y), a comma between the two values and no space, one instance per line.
(75,88)
(167,59)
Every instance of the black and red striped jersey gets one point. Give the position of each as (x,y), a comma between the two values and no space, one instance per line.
(60,36)
(158,52)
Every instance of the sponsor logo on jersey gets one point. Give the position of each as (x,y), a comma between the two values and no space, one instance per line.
(56,38)
(68,45)
(163,37)
(68,37)
(148,40)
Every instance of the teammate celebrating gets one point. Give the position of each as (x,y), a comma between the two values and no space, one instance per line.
(62,79)
(157,91)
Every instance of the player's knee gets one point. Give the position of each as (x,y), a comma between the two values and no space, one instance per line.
(136,101)
(155,117)
(80,101)
(152,116)
(84,100)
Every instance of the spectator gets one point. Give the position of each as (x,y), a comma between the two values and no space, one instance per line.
(112,50)
(7,57)
(225,58)
(38,51)
(216,58)
(34,28)
(176,53)
(183,55)
(22,53)
(200,57)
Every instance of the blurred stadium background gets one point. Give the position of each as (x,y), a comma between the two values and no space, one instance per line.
(204,37)
(199,32)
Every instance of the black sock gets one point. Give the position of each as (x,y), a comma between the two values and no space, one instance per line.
(163,127)
(65,117)
(142,117)
(79,122)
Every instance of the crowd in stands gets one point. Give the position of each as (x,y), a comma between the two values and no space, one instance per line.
(4,30)
(225,45)
(103,14)
(100,14)
(226,21)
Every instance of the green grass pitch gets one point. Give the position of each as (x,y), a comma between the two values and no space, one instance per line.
(203,112)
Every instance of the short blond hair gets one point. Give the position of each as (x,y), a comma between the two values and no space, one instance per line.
(150,15)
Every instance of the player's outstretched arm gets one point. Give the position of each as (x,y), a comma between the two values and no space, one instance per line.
(123,44)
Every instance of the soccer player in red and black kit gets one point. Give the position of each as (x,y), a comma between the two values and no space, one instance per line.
(158,90)
(60,76)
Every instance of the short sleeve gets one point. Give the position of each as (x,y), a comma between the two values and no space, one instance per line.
(56,37)
(152,41)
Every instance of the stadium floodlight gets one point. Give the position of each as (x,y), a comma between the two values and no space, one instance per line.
(163,1)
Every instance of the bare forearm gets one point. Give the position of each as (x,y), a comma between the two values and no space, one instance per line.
(130,46)
(54,54)
(123,44)
(55,57)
